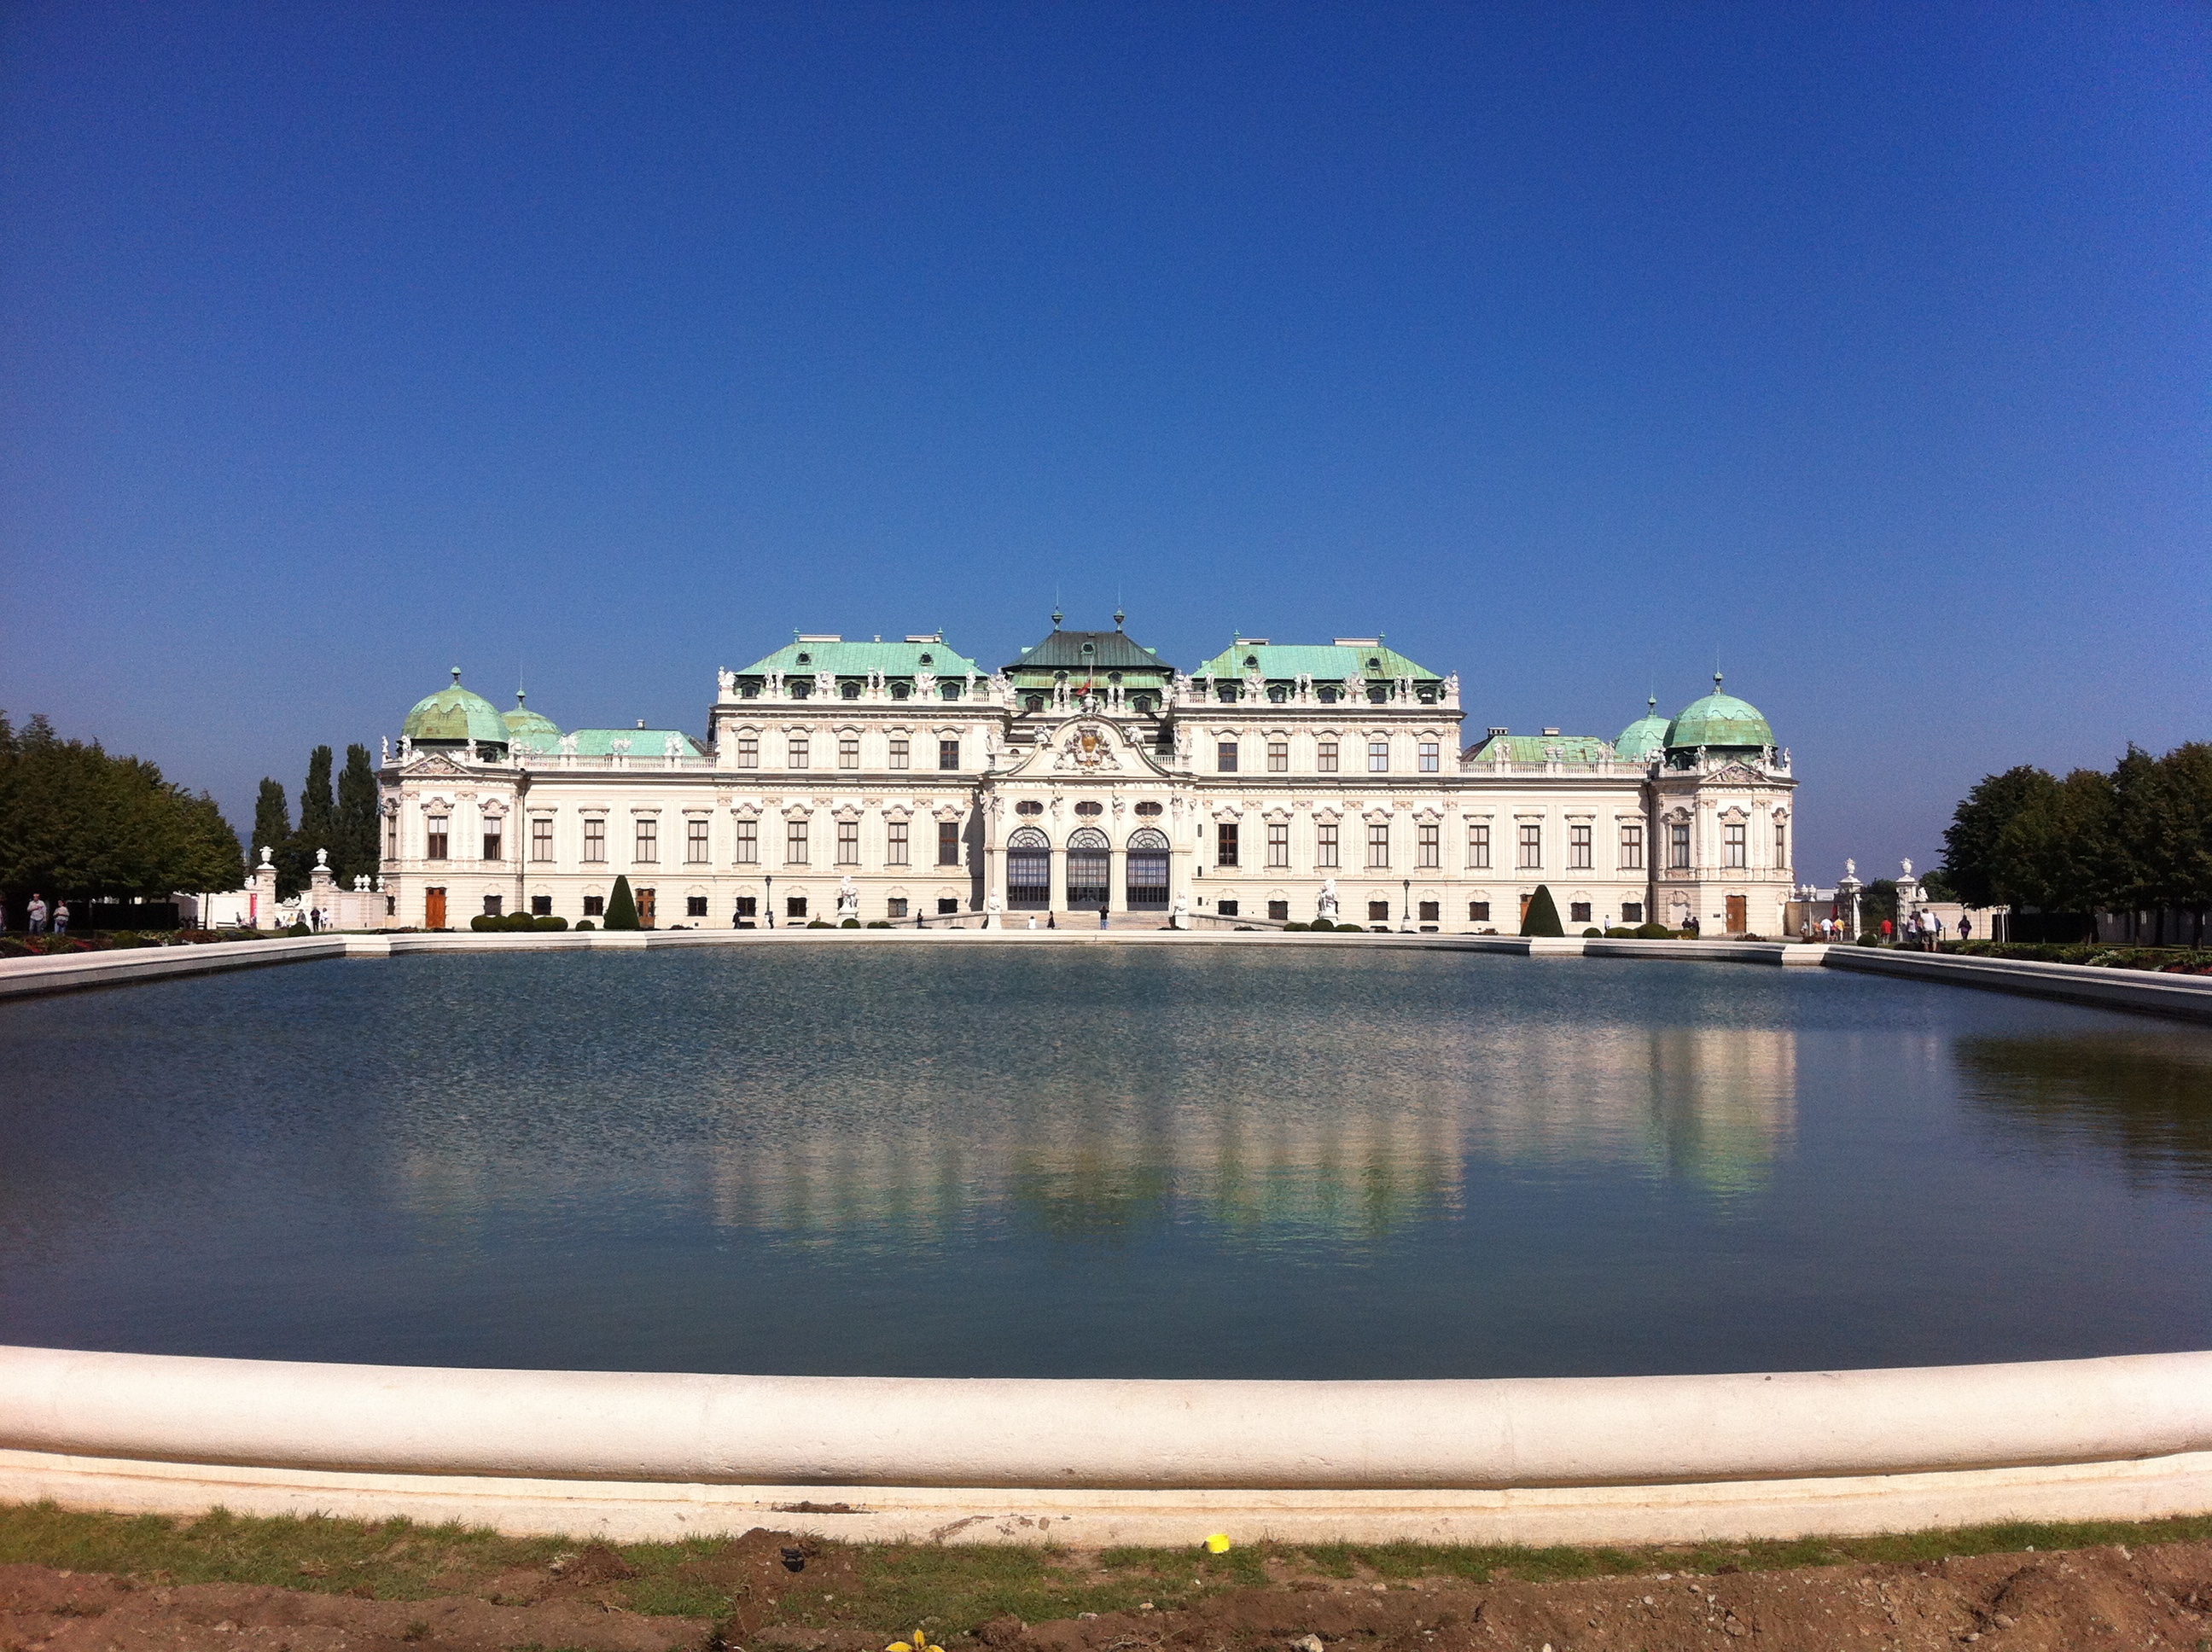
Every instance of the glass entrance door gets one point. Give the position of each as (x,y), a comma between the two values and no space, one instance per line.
(1088,870)
(1029,871)
(1148,870)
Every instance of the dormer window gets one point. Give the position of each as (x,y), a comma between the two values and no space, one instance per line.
(1372,664)
(900,690)
(1113,676)
(849,690)
(1089,649)
(1327,693)
(1251,662)
(1035,702)
(1278,693)
(807,659)
(927,659)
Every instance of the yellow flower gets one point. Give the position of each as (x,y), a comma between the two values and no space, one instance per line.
(1217,1544)
(917,1641)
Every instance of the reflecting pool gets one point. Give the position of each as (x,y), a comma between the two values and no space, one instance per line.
(856,1158)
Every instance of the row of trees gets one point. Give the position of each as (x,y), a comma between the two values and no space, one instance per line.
(2138,839)
(75,822)
(345,823)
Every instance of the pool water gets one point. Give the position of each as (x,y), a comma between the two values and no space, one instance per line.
(856,1158)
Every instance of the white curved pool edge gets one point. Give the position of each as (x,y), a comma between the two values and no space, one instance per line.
(1540,1460)
(2140,991)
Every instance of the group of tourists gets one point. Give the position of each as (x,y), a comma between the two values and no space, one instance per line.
(39,916)
(1922,930)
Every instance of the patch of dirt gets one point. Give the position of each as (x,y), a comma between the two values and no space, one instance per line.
(2154,1597)
(90,1612)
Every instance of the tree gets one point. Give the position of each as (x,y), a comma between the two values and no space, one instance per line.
(1543,915)
(272,834)
(75,822)
(622,908)
(358,853)
(2058,853)
(1970,843)
(318,821)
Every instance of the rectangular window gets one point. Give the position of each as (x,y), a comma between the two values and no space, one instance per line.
(695,906)
(895,851)
(595,838)
(795,906)
(749,843)
(749,751)
(898,751)
(1325,756)
(1431,911)
(491,906)
(1781,844)
(541,838)
(1578,848)
(1532,845)
(947,905)
(1732,844)
(1632,911)
(541,906)
(434,840)
(948,754)
(948,842)
(1430,847)
(1478,847)
(1279,843)
(1224,757)
(694,842)
(1379,756)
(1478,912)
(493,843)
(1279,757)
(1278,910)
(648,841)
(795,752)
(1325,844)
(748,905)
(794,843)
(848,843)
(1378,843)
(392,837)
(1228,909)
(895,907)
(1632,848)
(595,906)
(848,751)
(1378,912)
(1430,760)
(1579,912)
(1225,846)
(1677,847)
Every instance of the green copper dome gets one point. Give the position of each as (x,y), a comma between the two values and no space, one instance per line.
(1646,735)
(452,716)
(535,724)
(1718,722)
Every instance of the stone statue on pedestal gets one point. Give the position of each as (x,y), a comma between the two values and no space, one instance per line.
(848,899)
(1327,907)
(1181,911)
(991,908)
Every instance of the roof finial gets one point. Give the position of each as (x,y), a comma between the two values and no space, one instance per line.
(457,676)
(1652,702)
(1716,682)
(1056,617)
(1118,618)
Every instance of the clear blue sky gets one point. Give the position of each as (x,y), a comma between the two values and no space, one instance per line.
(1568,345)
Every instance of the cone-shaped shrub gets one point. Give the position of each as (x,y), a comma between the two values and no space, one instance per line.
(622,906)
(1543,917)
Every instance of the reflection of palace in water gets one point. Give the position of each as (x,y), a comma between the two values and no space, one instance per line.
(1708,1108)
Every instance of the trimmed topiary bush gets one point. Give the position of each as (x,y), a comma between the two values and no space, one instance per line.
(622,905)
(819,923)
(880,923)
(586,923)
(1543,918)
(1294,923)
(1654,932)
(548,920)
(1593,934)
(850,923)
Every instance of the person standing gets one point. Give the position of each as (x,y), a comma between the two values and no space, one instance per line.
(1965,928)
(61,916)
(36,912)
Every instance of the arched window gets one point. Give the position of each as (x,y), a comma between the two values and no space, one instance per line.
(1088,863)
(1328,692)
(1142,705)
(1035,702)
(949,690)
(1148,870)
(849,689)
(1278,693)
(1029,870)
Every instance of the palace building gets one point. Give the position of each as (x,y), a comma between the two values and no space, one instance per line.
(903,781)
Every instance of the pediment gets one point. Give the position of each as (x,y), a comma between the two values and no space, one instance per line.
(431,765)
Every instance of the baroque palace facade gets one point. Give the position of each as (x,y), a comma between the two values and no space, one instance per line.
(903,781)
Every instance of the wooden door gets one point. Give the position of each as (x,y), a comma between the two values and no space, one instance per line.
(434,909)
(1739,918)
(645,908)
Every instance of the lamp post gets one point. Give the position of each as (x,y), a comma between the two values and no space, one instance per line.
(768,878)
(1405,908)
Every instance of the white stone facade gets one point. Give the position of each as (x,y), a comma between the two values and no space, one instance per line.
(971,797)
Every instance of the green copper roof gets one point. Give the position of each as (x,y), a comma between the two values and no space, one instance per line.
(1541,748)
(1324,662)
(1646,735)
(1718,720)
(453,715)
(859,658)
(523,720)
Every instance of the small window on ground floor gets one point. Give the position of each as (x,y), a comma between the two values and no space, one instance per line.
(748,905)
(795,906)
(1378,912)
(491,906)
(695,906)
(1478,912)
(595,906)
(1579,912)
(541,906)
(947,905)
(1632,911)
(898,906)
(1228,909)
(1278,910)
(1430,911)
